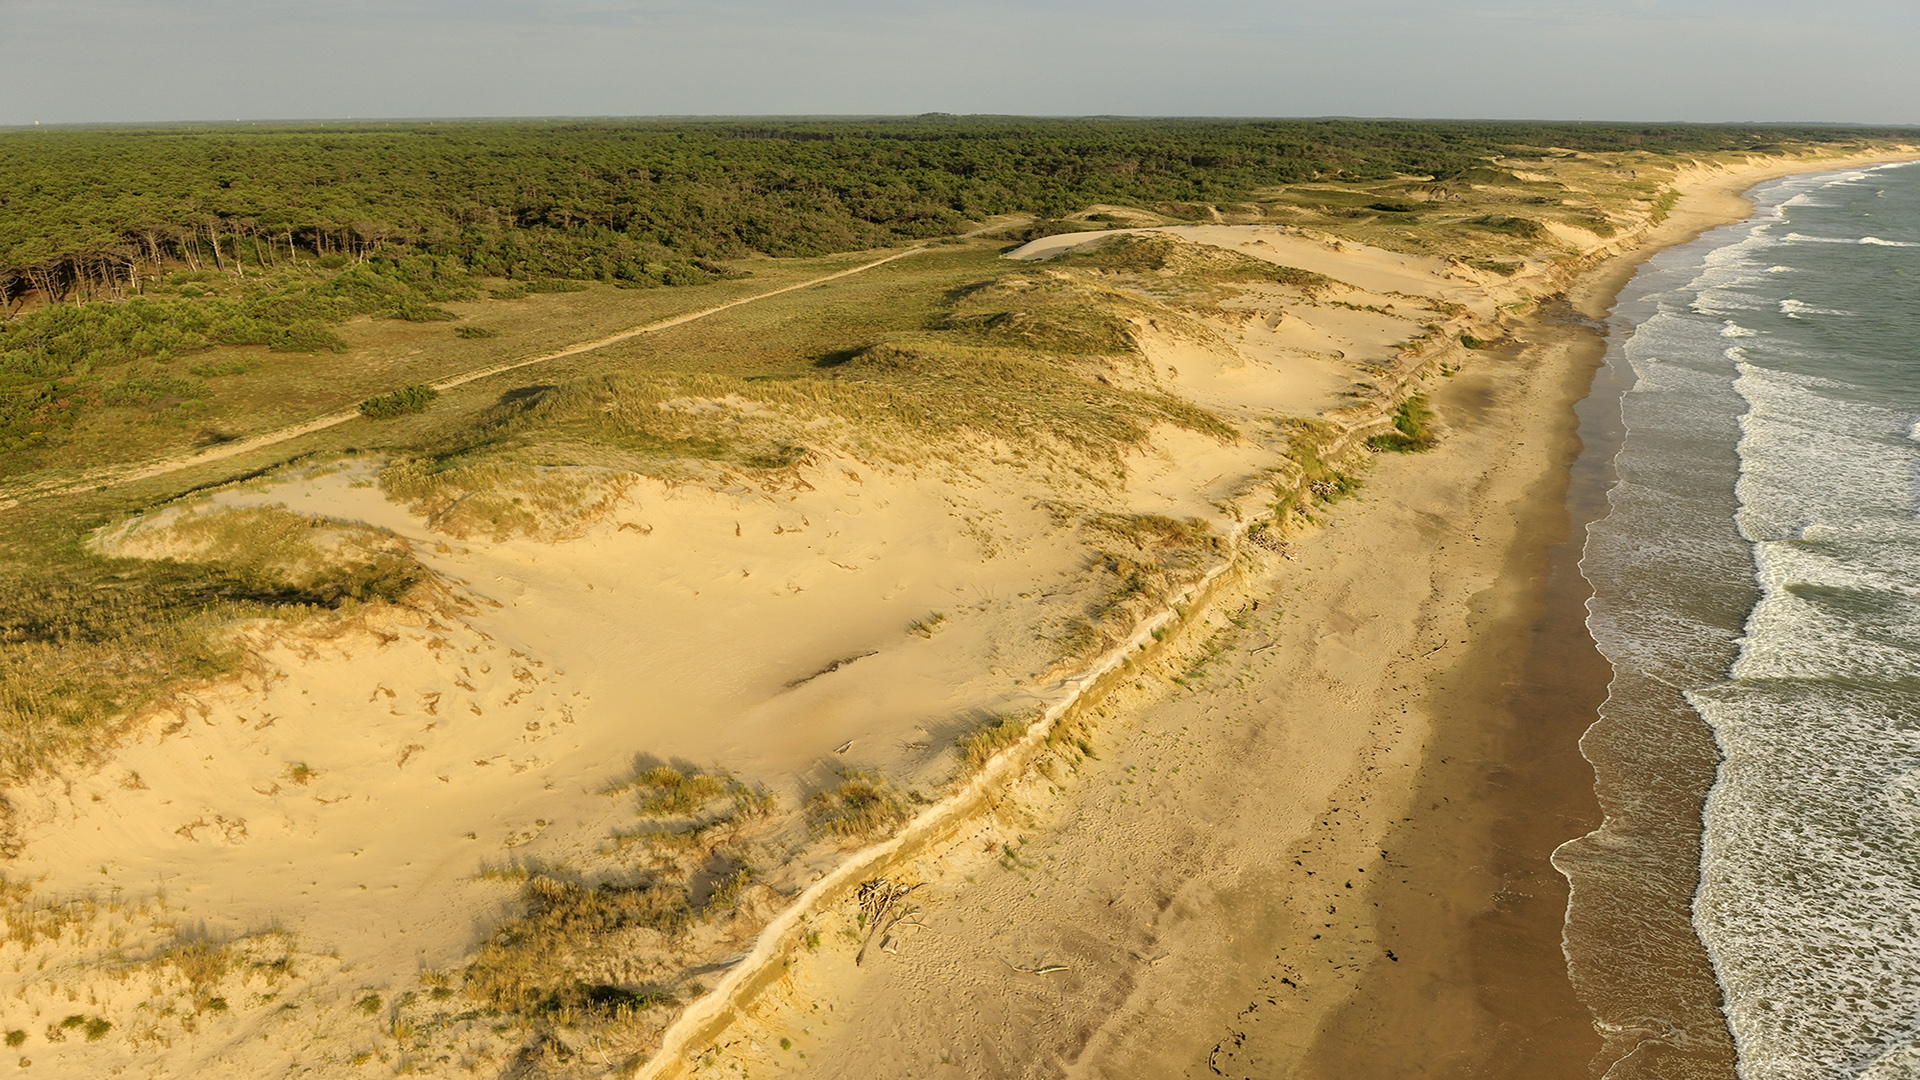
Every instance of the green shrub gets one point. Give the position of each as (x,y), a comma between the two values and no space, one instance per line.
(1508,224)
(476,332)
(1468,341)
(413,309)
(412,399)
(1411,429)
(306,336)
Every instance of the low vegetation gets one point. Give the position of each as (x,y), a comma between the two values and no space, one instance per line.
(979,745)
(1319,480)
(1412,428)
(524,968)
(1144,560)
(86,636)
(663,791)
(862,804)
(1185,265)
(407,399)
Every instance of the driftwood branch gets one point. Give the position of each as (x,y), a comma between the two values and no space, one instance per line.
(881,905)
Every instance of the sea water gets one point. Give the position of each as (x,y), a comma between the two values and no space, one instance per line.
(1757,591)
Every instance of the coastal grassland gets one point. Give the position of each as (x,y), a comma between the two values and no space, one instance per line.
(600,949)
(1520,202)
(88,637)
(82,387)
(1181,267)
(948,356)
(157,297)
(940,353)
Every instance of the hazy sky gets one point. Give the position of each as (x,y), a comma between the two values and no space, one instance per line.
(119,60)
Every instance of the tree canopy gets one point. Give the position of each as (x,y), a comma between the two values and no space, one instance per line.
(650,201)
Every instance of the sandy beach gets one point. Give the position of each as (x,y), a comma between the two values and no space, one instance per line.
(1326,852)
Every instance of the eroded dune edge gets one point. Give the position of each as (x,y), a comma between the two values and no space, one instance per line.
(598,753)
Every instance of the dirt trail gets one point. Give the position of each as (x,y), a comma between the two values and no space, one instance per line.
(123,474)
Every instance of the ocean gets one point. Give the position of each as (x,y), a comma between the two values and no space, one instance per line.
(1753,898)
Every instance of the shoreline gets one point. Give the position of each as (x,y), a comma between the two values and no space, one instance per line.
(1528,1023)
(1536,788)
(1467,963)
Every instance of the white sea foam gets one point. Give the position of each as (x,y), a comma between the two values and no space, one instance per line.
(1809,896)
(1810,899)
(1870,241)
(1796,309)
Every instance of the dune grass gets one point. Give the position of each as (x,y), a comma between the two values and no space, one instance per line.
(862,804)
(87,637)
(1412,428)
(526,967)
(974,367)
(979,745)
(1143,560)
(1187,264)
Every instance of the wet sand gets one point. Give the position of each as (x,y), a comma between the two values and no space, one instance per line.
(1503,785)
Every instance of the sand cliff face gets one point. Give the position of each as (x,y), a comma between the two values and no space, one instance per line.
(656,690)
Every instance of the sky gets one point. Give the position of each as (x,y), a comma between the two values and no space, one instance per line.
(103,61)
